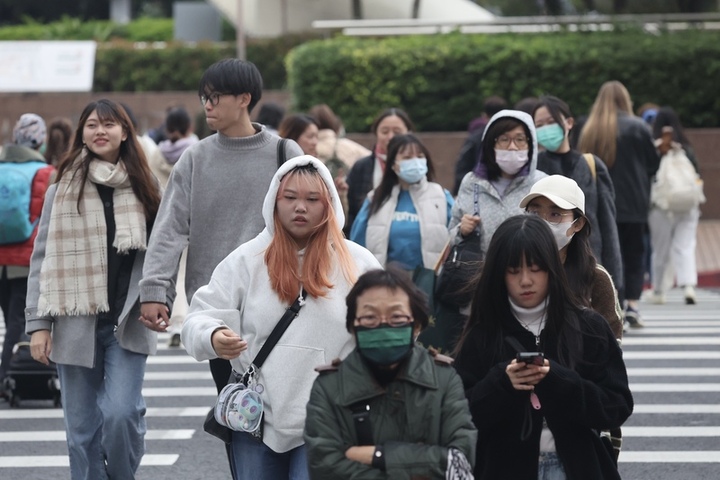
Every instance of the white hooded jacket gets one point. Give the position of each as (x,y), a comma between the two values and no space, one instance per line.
(239,296)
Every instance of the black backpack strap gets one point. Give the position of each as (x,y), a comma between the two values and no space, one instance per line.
(361,419)
(281,153)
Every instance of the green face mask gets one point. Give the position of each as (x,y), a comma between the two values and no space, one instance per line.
(551,136)
(384,345)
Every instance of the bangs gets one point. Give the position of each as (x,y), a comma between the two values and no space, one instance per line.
(308,177)
(522,246)
(105,112)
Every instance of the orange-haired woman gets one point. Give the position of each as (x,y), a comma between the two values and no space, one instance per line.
(302,248)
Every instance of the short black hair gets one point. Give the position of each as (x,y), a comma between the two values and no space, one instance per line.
(177,120)
(393,279)
(270,114)
(235,77)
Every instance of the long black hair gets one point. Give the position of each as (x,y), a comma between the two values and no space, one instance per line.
(523,238)
(390,178)
(580,262)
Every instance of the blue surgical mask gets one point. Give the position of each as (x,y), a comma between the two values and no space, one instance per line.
(551,136)
(412,170)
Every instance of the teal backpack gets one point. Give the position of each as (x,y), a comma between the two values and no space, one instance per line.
(16,181)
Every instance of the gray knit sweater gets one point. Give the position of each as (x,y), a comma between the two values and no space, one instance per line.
(212,204)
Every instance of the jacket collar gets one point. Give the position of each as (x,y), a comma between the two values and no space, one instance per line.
(357,382)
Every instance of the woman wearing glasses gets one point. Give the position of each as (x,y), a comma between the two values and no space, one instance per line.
(503,175)
(391,409)
(561,203)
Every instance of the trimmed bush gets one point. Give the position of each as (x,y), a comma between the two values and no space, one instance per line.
(442,80)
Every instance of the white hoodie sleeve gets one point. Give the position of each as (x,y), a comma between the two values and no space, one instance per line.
(214,306)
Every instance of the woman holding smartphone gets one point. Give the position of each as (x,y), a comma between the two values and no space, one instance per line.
(539,421)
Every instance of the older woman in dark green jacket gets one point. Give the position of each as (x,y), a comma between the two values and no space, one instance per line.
(391,409)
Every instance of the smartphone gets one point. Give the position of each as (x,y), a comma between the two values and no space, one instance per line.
(531,358)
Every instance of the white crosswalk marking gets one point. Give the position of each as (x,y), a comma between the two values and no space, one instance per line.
(672,365)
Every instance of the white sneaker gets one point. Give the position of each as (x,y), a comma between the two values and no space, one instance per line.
(658,298)
(689,295)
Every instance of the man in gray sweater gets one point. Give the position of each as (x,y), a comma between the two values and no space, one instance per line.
(213,201)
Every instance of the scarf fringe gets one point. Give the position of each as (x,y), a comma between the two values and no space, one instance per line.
(76,311)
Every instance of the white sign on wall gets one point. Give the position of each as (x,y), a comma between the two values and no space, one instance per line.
(56,66)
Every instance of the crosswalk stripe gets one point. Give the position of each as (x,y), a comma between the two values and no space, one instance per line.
(59,435)
(674,387)
(703,408)
(33,461)
(151,412)
(673,372)
(629,340)
(171,360)
(160,376)
(669,457)
(180,392)
(650,324)
(672,355)
(652,330)
(656,432)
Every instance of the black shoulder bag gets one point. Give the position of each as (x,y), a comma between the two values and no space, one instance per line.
(222,432)
(454,282)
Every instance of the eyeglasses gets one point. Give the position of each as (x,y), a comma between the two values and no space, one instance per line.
(394,320)
(503,141)
(213,97)
(554,218)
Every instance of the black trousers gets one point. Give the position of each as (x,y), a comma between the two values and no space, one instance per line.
(12,300)
(220,370)
(632,250)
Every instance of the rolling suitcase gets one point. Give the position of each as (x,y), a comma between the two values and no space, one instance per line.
(28,379)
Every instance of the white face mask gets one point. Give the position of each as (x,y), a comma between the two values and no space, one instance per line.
(511,161)
(560,233)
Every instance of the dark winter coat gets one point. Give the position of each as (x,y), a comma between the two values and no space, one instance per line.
(599,205)
(635,164)
(417,417)
(576,403)
(360,182)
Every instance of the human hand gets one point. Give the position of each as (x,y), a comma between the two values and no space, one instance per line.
(363,454)
(228,344)
(155,316)
(41,346)
(524,376)
(468,223)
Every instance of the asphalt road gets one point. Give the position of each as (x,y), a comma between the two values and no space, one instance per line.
(673,365)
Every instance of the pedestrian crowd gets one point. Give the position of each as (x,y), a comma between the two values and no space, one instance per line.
(394,356)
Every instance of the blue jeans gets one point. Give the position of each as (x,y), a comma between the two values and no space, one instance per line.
(105,411)
(550,467)
(256,461)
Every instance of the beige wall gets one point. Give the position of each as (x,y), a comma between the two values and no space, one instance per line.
(150,107)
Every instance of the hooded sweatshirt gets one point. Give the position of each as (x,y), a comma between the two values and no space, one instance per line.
(240,297)
(494,207)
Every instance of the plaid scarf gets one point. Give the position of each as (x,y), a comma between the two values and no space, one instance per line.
(74,272)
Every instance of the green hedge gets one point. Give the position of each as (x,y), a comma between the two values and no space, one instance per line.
(441,80)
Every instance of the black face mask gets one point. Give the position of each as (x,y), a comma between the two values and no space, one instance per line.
(384,345)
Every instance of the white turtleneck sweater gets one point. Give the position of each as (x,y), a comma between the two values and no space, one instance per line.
(533,320)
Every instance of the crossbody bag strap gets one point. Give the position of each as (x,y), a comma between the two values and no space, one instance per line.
(476,199)
(279,329)
(281,154)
